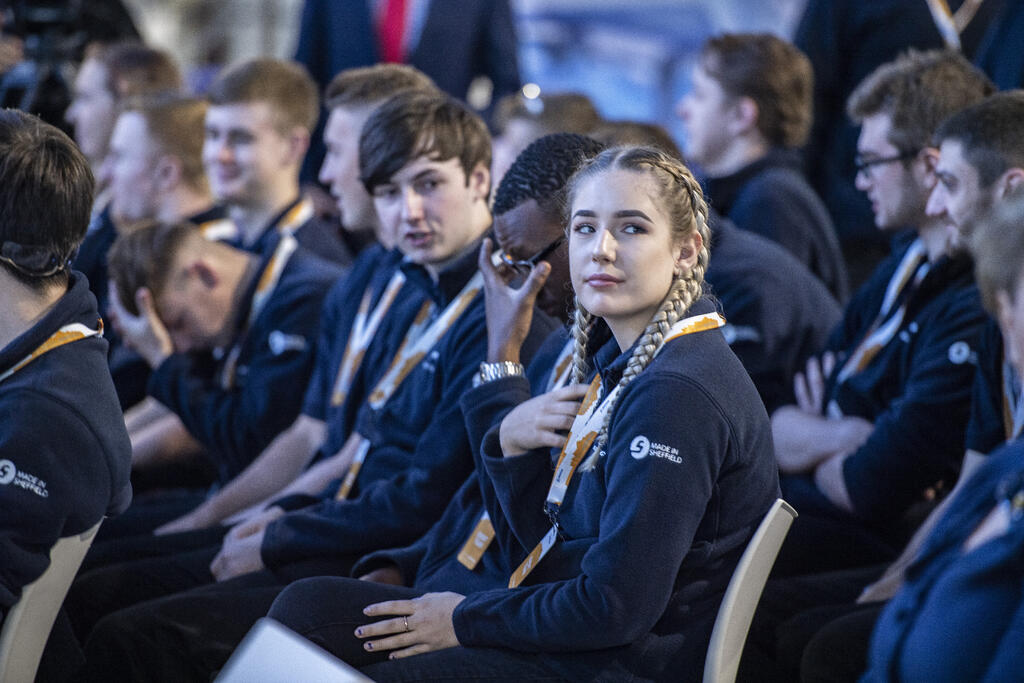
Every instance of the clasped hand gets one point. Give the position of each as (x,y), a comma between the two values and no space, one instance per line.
(541,422)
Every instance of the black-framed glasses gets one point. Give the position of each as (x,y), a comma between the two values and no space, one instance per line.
(525,266)
(865,165)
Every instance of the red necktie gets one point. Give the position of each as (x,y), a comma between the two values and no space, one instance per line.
(392,30)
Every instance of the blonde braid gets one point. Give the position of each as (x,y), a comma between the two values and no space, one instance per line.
(582,321)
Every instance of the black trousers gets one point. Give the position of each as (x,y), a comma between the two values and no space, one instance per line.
(784,621)
(190,632)
(328,610)
(838,651)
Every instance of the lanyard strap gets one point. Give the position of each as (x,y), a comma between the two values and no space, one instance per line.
(296,217)
(219,230)
(483,533)
(417,344)
(950,24)
(562,370)
(419,339)
(912,270)
(364,327)
(269,279)
(65,335)
(589,418)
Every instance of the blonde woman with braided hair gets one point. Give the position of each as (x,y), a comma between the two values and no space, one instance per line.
(620,503)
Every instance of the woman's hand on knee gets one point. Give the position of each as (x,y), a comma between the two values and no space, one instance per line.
(413,627)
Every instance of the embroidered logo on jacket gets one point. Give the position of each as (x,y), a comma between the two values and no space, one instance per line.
(11,476)
(640,447)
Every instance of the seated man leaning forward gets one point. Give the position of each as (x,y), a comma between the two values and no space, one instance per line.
(179,293)
(64,452)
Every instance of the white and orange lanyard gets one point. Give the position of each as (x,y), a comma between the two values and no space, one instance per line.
(417,343)
(269,279)
(483,533)
(950,24)
(589,418)
(912,270)
(65,335)
(296,217)
(364,327)
(219,230)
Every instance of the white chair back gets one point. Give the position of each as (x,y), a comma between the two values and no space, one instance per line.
(743,594)
(27,627)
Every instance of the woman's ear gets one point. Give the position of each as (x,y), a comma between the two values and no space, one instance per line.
(689,249)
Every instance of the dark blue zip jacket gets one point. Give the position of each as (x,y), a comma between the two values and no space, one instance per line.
(419,454)
(431,563)
(65,457)
(771,197)
(372,270)
(778,313)
(916,390)
(988,424)
(277,350)
(650,536)
(959,615)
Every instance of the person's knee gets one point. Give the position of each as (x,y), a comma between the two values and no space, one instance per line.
(298,601)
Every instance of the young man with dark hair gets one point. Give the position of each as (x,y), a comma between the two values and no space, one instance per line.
(407,450)
(64,454)
(746,118)
(261,115)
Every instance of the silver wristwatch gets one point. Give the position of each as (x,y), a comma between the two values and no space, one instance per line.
(492,371)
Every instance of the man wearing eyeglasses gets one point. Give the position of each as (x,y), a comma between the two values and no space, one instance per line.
(881,413)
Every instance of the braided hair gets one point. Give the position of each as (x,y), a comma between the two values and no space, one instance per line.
(688,213)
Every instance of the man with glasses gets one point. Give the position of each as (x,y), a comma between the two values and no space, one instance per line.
(881,413)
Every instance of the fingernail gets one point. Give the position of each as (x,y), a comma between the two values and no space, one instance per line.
(369,646)
(359,632)
(392,656)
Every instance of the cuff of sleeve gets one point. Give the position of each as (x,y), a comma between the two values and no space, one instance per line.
(295,501)
(384,558)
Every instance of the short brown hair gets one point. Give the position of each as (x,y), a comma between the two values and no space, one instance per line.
(414,124)
(560,112)
(145,256)
(773,73)
(637,134)
(918,90)
(46,192)
(368,85)
(176,125)
(997,243)
(135,69)
(284,85)
(991,134)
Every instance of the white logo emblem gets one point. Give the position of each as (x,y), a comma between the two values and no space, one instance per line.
(959,353)
(7,471)
(639,447)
